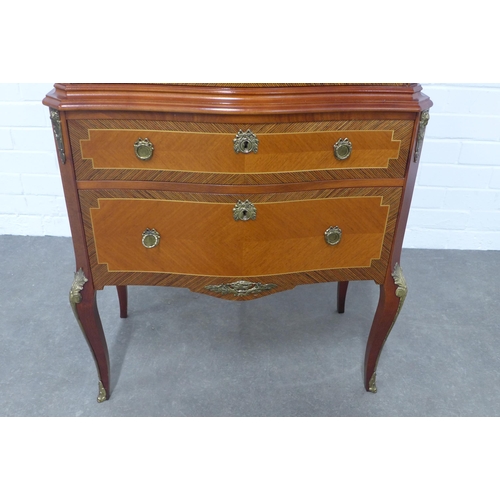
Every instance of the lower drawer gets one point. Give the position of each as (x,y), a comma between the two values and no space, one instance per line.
(203,236)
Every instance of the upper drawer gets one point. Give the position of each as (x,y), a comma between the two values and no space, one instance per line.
(205,152)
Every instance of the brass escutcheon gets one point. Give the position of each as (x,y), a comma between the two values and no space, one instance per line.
(143,149)
(244,210)
(245,142)
(150,238)
(342,149)
(333,235)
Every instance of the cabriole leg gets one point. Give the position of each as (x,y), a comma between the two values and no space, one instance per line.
(392,295)
(341,293)
(82,297)
(123,300)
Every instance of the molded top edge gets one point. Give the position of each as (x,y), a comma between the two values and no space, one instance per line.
(238,98)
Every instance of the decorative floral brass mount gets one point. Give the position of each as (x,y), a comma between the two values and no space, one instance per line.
(342,149)
(245,142)
(150,238)
(402,289)
(55,118)
(143,149)
(333,235)
(241,288)
(424,120)
(401,292)
(244,210)
(75,297)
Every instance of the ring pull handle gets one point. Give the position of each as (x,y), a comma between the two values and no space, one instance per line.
(342,149)
(150,238)
(143,149)
(333,235)
(244,210)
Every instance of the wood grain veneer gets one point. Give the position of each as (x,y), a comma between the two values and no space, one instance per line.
(203,238)
(199,235)
(213,153)
(188,189)
(203,152)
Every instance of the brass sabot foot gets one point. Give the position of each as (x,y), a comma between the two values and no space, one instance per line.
(372,384)
(102,393)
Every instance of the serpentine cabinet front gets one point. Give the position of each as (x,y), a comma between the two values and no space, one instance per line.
(237,191)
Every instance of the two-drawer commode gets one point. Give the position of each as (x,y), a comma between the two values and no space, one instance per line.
(237,191)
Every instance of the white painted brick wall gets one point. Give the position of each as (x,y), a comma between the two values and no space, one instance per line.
(31,195)
(456,202)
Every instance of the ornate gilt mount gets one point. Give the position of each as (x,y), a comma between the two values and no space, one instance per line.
(402,287)
(57,129)
(241,288)
(245,142)
(75,297)
(244,210)
(424,120)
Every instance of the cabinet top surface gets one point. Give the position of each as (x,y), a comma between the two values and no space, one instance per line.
(238,98)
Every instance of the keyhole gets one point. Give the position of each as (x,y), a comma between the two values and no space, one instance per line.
(245,145)
(244,213)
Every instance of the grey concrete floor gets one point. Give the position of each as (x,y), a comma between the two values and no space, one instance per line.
(289,354)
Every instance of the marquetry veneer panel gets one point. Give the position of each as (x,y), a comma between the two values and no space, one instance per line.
(202,152)
(201,243)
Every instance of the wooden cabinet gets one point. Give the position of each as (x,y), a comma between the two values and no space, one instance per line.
(237,191)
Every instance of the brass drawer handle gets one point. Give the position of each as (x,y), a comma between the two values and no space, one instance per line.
(143,149)
(245,142)
(150,238)
(333,235)
(342,149)
(244,210)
